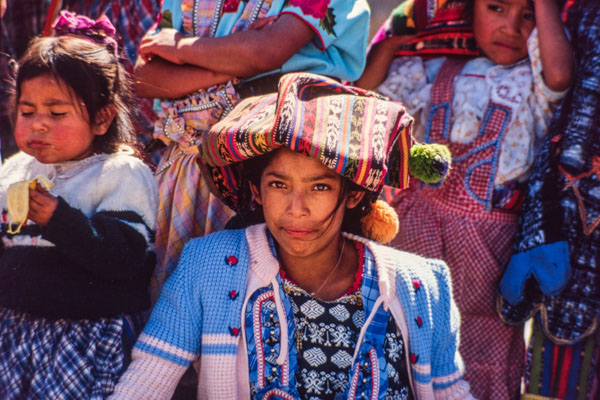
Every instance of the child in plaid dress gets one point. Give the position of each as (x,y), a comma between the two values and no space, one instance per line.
(74,277)
(491,111)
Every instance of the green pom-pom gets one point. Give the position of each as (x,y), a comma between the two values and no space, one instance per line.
(429,162)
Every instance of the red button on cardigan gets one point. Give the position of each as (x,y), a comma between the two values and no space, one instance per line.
(231,260)
(419,321)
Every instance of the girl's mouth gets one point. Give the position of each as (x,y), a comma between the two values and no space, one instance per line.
(507,46)
(297,233)
(38,144)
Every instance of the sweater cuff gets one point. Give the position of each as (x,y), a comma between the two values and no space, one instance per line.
(64,223)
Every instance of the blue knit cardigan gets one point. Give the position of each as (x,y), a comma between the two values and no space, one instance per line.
(199,315)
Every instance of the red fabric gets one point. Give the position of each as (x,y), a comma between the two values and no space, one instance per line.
(564,373)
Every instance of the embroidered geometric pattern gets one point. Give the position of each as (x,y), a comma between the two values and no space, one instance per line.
(312,309)
(325,343)
(342,358)
(340,313)
(326,338)
(315,357)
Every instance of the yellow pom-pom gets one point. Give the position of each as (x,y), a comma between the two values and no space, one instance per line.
(381,224)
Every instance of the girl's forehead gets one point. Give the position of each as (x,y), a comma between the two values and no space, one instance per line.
(298,165)
(517,3)
(46,85)
(50,90)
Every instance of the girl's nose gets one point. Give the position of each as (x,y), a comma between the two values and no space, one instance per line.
(39,123)
(512,24)
(297,205)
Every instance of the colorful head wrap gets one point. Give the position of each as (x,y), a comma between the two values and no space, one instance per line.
(441,28)
(359,134)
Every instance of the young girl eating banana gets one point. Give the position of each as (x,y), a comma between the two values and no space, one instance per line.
(76,250)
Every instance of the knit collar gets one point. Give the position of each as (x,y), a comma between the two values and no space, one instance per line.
(265,265)
(68,169)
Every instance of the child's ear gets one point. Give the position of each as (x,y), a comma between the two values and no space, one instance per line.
(354,198)
(255,193)
(104,118)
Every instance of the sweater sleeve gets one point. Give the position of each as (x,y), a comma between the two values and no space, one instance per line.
(105,244)
(447,367)
(105,224)
(170,341)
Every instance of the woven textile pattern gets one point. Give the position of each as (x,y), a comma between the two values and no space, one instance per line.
(440,28)
(353,132)
(563,204)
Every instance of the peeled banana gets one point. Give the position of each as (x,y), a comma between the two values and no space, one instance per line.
(17,201)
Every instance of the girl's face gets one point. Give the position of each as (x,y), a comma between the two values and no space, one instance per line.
(299,196)
(502,27)
(51,124)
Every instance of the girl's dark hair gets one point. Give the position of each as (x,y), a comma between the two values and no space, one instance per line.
(468,11)
(252,172)
(94,74)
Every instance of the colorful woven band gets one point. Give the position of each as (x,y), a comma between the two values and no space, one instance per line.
(441,28)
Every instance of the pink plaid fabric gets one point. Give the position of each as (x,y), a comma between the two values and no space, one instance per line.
(456,223)
(186,207)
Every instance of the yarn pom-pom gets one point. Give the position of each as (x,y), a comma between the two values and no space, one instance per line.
(429,162)
(381,223)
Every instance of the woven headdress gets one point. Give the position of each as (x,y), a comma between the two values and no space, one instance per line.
(358,134)
(361,135)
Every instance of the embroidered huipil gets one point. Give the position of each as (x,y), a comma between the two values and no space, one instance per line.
(491,118)
(518,87)
(187,208)
(227,306)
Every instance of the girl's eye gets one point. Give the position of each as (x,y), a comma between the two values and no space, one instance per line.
(529,17)
(320,187)
(494,8)
(277,184)
(26,113)
(58,114)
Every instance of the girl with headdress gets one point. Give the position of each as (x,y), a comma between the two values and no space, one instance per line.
(491,111)
(76,265)
(303,306)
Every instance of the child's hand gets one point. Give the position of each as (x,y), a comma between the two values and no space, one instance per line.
(41,205)
(263,22)
(162,44)
(379,60)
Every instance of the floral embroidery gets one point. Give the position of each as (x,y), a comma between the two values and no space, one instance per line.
(231,6)
(318,9)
